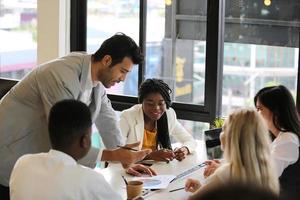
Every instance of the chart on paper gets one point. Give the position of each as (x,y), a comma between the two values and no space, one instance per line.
(156,182)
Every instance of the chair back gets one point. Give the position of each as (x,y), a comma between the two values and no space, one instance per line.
(6,85)
(212,142)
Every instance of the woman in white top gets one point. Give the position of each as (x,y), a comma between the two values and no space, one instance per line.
(153,121)
(278,109)
(245,143)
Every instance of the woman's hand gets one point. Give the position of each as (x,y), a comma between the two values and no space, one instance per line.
(161,155)
(139,169)
(211,166)
(192,185)
(180,153)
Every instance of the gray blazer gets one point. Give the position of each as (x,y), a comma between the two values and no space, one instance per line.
(24,110)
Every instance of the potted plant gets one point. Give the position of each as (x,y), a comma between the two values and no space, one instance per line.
(212,140)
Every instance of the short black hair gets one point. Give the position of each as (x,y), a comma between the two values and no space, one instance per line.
(119,46)
(280,102)
(150,86)
(68,120)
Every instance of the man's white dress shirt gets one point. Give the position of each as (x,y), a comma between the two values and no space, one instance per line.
(56,175)
(86,96)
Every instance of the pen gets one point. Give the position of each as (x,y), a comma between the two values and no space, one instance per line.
(202,164)
(164,159)
(137,198)
(189,171)
(128,148)
(177,189)
(125,180)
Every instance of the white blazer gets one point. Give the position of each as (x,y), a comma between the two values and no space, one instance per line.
(132,127)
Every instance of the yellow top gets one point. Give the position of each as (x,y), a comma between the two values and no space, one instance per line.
(149,141)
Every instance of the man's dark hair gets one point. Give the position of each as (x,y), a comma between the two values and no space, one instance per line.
(150,86)
(68,120)
(119,46)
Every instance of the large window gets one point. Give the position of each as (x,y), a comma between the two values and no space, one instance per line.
(214,54)
(104,19)
(179,60)
(18,37)
(181,40)
(261,49)
(175,47)
(173,39)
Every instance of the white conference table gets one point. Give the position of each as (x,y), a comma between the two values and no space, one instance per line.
(114,171)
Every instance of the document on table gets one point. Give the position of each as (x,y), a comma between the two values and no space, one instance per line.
(156,182)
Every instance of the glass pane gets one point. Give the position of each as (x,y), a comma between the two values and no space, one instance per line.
(18,37)
(261,49)
(104,19)
(180,61)
(195,128)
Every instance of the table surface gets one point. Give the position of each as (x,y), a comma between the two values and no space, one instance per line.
(114,171)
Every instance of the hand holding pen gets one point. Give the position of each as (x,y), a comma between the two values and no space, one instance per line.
(181,153)
(211,167)
(192,185)
(164,155)
(127,155)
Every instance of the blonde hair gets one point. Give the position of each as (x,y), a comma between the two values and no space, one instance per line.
(247,149)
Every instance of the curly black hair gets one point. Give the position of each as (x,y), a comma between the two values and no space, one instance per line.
(150,86)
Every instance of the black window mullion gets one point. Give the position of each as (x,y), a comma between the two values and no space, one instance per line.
(78,25)
(122,102)
(142,38)
(298,78)
(214,57)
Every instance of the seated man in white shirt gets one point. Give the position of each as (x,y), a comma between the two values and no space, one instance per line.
(56,174)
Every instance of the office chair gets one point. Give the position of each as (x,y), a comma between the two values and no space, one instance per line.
(6,85)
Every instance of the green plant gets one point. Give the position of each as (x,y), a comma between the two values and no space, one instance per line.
(218,122)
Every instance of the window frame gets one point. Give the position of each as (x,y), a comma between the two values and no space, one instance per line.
(215,24)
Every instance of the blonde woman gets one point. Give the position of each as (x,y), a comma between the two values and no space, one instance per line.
(245,143)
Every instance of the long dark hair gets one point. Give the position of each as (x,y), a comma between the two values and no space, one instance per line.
(280,102)
(150,86)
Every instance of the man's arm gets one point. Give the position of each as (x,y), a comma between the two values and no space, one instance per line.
(124,156)
(107,123)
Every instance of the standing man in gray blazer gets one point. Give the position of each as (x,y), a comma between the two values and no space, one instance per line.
(25,108)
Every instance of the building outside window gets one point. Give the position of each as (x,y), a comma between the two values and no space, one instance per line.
(261,49)
(261,46)
(18,37)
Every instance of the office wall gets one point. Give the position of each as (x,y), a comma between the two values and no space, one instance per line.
(53,29)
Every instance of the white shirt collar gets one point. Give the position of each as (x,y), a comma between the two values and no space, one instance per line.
(89,81)
(93,83)
(61,156)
